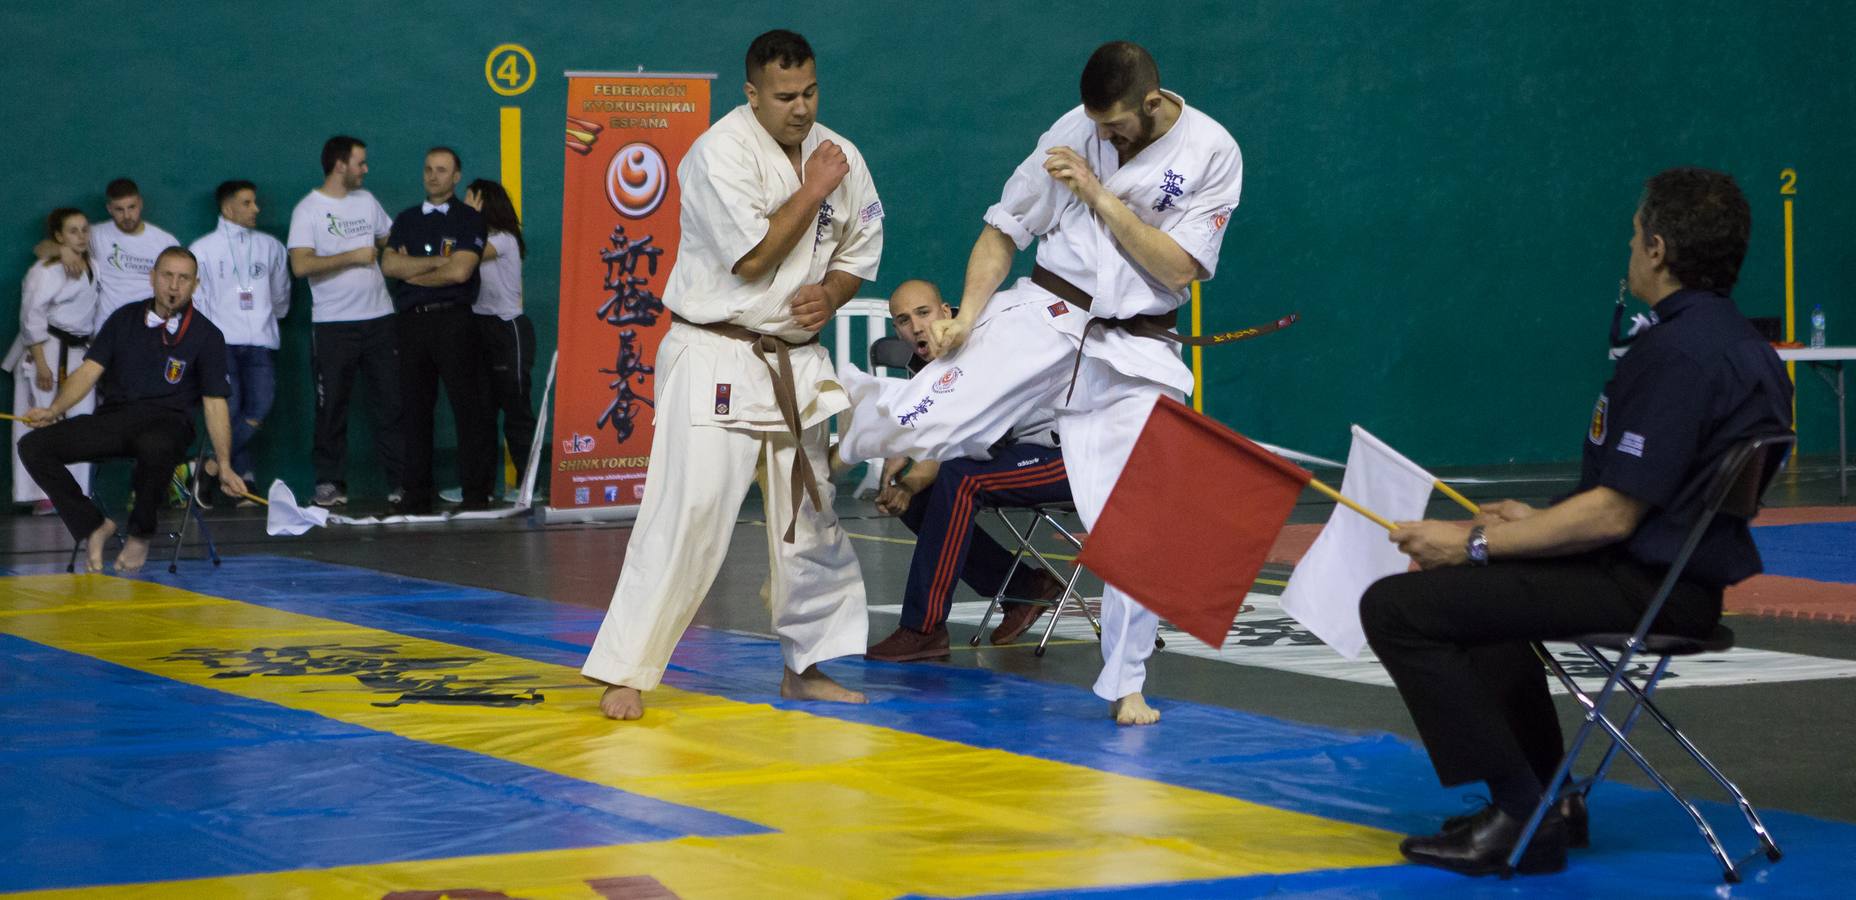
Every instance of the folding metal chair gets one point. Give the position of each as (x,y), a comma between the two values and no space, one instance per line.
(190,489)
(1040,516)
(1734,489)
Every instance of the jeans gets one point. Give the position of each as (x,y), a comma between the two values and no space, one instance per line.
(253,372)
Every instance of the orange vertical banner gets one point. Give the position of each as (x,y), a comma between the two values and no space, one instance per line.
(626,133)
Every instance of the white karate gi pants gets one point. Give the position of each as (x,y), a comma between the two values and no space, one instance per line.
(26,395)
(1014,363)
(698,477)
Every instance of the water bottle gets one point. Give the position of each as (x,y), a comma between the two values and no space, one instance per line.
(1817,327)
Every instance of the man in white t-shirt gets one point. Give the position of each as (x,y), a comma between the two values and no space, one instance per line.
(244,289)
(122,251)
(336,231)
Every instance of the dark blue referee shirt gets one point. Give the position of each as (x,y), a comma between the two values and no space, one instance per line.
(1696,384)
(419,233)
(148,365)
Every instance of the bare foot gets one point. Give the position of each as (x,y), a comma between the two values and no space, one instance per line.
(815,685)
(134,554)
(1133,710)
(98,542)
(622,703)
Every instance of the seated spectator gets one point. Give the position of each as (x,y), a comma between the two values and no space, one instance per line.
(152,363)
(939,502)
(56,309)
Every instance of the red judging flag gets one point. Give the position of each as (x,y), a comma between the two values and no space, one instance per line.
(1190,523)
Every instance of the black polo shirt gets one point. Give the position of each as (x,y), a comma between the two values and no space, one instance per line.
(149,365)
(1699,382)
(419,233)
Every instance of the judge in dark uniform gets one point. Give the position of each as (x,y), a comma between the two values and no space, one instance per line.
(152,363)
(434,249)
(1455,636)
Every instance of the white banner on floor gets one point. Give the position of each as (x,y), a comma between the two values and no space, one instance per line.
(1266,636)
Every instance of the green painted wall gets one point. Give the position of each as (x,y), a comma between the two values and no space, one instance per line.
(1442,190)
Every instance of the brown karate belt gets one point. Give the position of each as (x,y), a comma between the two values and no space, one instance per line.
(1159,325)
(785,395)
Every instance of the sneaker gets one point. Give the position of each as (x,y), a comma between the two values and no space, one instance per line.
(1017,620)
(44,508)
(327,494)
(909,645)
(396,496)
(452,495)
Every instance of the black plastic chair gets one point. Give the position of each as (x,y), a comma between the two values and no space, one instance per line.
(1734,488)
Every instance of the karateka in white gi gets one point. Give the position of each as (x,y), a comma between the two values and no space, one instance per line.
(1127,196)
(781,225)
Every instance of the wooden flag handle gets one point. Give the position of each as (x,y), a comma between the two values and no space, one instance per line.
(255,498)
(1343,500)
(1461,500)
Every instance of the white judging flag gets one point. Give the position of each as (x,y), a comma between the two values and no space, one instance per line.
(1353,552)
(285,517)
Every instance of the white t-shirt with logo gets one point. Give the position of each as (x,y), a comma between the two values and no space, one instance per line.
(122,263)
(500,294)
(330,227)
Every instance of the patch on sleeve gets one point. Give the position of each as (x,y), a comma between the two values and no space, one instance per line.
(1221,217)
(723,392)
(870,213)
(1631,443)
(1600,426)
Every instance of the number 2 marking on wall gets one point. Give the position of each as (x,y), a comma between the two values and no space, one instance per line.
(1788,181)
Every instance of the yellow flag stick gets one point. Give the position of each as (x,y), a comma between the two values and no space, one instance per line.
(1461,500)
(1337,497)
(11,418)
(255,499)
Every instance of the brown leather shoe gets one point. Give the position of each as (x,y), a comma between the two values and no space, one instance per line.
(909,645)
(1016,621)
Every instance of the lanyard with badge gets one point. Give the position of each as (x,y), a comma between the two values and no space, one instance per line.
(242,274)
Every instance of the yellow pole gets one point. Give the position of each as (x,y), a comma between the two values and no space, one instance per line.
(512,155)
(1791,310)
(1337,497)
(1461,500)
(1198,357)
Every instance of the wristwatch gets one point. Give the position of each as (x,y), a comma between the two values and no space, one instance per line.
(1477,547)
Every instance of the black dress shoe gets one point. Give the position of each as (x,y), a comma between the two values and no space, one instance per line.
(1571,808)
(1481,845)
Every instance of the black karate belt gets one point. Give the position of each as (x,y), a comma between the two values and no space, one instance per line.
(785,395)
(66,340)
(1153,326)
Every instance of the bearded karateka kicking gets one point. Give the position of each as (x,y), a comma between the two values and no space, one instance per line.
(781,225)
(1127,196)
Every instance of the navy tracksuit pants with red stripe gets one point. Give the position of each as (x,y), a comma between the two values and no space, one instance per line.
(947,544)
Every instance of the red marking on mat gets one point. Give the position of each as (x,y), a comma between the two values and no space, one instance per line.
(631,887)
(1782,596)
(1805,515)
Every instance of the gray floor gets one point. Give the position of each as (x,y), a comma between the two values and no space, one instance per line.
(1789,744)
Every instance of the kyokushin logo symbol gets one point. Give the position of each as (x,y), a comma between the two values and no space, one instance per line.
(636,180)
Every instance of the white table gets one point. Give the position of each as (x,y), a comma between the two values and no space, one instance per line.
(1821,359)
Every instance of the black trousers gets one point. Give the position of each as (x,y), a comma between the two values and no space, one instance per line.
(1456,641)
(441,345)
(156,437)
(338,351)
(510,348)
